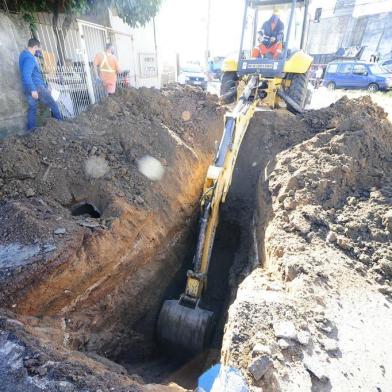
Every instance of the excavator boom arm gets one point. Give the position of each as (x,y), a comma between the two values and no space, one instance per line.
(183,324)
(216,187)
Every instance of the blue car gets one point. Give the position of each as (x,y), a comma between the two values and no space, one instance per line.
(357,75)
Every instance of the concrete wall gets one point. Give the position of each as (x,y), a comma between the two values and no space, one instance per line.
(373,31)
(377,35)
(327,36)
(14,34)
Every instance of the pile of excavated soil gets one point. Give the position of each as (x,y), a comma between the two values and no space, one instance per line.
(89,245)
(316,315)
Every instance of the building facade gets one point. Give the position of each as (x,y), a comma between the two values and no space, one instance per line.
(348,23)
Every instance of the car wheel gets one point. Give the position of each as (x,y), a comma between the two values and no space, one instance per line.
(331,86)
(373,87)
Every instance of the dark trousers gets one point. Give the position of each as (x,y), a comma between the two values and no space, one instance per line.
(44,97)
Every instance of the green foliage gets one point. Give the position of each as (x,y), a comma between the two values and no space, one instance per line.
(27,9)
(133,12)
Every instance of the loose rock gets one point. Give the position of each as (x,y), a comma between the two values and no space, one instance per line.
(316,368)
(330,345)
(387,220)
(286,330)
(331,237)
(284,344)
(259,366)
(303,337)
(344,243)
(386,266)
(259,349)
(30,192)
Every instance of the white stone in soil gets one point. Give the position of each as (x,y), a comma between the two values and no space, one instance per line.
(260,349)
(303,337)
(314,366)
(284,344)
(331,237)
(330,345)
(285,329)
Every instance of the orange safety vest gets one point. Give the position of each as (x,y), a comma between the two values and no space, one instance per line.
(105,66)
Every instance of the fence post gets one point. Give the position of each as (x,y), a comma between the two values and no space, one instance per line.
(89,81)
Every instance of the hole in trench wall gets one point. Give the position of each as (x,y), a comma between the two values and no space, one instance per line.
(85,209)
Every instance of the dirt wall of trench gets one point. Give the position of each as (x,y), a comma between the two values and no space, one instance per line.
(313,315)
(96,284)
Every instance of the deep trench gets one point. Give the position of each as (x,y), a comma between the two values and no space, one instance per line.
(238,248)
(240,231)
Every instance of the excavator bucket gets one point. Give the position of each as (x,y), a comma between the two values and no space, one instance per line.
(187,330)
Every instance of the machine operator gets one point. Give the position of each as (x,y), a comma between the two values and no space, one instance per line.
(270,37)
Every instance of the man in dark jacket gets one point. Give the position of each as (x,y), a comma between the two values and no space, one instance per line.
(33,84)
(270,37)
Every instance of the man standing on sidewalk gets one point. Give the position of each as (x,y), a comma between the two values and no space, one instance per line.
(108,69)
(33,84)
(319,76)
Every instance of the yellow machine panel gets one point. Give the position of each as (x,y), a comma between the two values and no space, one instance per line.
(299,63)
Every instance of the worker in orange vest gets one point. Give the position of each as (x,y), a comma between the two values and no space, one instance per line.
(108,68)
(270,37)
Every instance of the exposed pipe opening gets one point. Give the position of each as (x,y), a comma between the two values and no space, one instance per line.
(85,209)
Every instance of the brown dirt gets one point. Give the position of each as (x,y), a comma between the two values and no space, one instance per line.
(97,284)
(324,239)
(305,233)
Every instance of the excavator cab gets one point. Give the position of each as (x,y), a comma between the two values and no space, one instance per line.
(284,76)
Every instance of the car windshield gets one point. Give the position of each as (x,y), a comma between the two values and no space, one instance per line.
(376,69)
(193,68)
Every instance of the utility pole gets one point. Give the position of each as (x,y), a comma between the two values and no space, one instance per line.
(305,25)
(208,33)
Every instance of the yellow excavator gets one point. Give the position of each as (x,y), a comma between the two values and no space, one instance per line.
(284,78)
(184,324)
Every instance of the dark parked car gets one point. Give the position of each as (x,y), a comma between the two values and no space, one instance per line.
(357,75)
(194,75)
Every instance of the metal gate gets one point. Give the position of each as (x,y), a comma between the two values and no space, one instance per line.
(68,56)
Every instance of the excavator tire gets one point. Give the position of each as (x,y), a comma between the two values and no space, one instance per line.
(298,90)
(228,89)
(184,331)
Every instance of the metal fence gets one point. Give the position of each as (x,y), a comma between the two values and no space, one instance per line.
(67,60)
(69,51)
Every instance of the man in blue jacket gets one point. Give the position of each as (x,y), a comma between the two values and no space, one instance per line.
(33,84)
